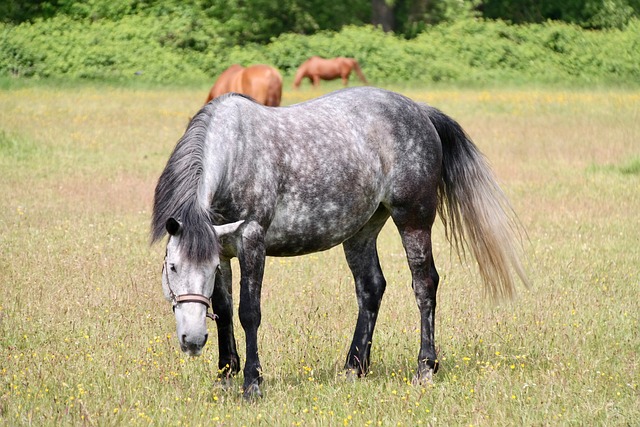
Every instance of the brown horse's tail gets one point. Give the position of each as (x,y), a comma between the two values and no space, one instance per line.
(361,76)
(274,91)
(475,211)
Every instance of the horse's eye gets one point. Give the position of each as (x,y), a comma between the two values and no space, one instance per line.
(172,267)
(218,270)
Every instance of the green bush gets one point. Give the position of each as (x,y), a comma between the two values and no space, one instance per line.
(159,49)
(193,48)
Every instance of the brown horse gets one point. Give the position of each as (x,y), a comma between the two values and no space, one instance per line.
(316,68)
(261,82)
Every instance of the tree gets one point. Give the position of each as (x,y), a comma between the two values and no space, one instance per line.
(382,15)
(17,11)
(410,17)
(586,13)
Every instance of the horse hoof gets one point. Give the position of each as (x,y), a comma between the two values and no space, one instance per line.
(224,382)
(252,393)
(349,375)
(424,378)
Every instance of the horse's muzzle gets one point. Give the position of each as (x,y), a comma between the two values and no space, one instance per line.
(193,344)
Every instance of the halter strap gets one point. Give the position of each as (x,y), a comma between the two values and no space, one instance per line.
(176,299)
(192,298)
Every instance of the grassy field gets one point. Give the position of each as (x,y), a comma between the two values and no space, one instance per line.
(86,337)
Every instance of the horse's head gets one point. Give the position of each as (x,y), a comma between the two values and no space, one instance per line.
(189,283)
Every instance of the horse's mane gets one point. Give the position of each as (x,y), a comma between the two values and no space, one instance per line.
(176,194)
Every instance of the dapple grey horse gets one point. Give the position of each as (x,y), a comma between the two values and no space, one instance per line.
(250,181)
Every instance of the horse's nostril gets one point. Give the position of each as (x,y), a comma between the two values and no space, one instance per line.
(184,341)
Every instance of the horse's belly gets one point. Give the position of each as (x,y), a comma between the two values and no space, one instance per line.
(298,230)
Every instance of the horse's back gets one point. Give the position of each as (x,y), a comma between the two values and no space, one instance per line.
(356,127)
(363,127)
(358,107)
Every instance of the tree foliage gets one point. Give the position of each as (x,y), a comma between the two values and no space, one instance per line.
(260,20)
(174,49)
(434,40)
(586,13)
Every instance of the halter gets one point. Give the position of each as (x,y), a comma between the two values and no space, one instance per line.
(176,299)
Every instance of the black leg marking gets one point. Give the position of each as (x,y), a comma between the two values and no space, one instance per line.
(252,259)
(414,220)
(362,257)
(417,243)
(222,304)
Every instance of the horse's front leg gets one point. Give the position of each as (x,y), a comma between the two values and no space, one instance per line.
(251,256)
(222,304)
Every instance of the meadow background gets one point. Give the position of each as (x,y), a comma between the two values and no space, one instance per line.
(86,337)
(93,97)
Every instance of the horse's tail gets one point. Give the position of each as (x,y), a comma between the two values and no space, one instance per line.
(359,72)
(475,212)
(274,93)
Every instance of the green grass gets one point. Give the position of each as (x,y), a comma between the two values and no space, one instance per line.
(631,168)
(628,167)
(86,337)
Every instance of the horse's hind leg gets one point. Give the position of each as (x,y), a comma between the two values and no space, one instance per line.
(362,257)
(416,238)
(345,77)
(222,304)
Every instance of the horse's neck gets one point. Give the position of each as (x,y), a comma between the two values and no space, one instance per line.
(215,162)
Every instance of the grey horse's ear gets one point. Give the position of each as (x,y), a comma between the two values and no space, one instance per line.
(173,226)
(225,229)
